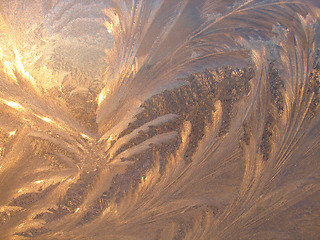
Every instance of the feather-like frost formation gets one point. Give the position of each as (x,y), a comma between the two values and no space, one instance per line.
(200,122)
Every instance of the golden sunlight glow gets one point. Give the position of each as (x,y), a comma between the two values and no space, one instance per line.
(13,105)
(46,119)
(8,69)
(12,133)
(15,64)
(71,179)
(86,136)
(101,97)
(21,69)
(109,26)
(110,138)
(115,21)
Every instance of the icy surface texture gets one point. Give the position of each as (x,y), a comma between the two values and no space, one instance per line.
(159,119)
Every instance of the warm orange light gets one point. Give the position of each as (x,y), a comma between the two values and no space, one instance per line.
(101,97)
(14,105)
(8,69)
(46,119)
(12,133)
(21,69)
(86,136)
(109,26)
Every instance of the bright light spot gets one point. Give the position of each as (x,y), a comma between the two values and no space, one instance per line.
(39,181)
(77,210)
(21,68)
(71,179)
(46,119)
(85,136)
(109,27)
(19,61)
(12,133)
(101,97)
(14,105)
(9,70)
(11,66)
(112,137)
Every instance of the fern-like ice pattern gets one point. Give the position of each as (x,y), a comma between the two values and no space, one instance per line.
(159,119)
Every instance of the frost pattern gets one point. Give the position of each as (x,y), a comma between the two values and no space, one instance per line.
(195,120)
